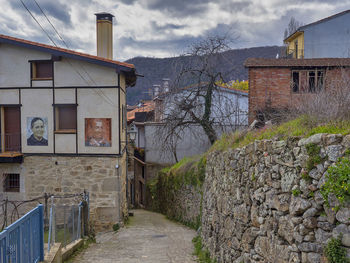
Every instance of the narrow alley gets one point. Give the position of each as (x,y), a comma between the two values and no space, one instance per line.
(149,237)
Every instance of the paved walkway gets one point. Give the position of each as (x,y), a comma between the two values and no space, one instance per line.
(149,238)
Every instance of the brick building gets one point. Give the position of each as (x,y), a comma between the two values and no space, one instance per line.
(281,83)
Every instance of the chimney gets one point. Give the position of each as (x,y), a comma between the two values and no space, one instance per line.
(165,85)
(104,35)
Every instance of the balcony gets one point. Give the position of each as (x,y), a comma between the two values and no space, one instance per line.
(10,148)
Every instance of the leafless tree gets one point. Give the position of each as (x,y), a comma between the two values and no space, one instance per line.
(293,25)
(196,98)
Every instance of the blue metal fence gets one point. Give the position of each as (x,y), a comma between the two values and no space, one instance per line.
(23,241)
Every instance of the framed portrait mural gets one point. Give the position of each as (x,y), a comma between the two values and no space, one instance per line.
(98,132)
(37,131)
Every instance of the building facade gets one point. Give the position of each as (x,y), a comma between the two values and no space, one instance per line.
(326,38)
(63,124)
(283,83)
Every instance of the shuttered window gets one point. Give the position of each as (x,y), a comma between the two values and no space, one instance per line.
(42,70)
(66,118)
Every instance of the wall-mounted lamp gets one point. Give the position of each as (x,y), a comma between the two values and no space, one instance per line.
(132,132)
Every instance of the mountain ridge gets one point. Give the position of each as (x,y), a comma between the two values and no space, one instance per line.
(156,69)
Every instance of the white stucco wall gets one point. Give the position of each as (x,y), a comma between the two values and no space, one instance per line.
(37,103)
(14,65)
(66,74)
(9,96)
(328,39)
(92,102)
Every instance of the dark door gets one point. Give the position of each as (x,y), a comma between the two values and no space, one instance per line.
(12,124)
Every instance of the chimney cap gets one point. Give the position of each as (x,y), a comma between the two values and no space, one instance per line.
(104,16)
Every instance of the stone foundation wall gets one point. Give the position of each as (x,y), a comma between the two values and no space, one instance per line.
(249,211)
(176,197)
(66,175)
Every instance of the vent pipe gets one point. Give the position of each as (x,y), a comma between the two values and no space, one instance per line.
(104,35)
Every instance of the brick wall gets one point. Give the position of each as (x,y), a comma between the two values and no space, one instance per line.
(268,87)
(271,87)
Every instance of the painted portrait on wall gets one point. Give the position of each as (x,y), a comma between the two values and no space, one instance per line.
(37,131)
(98,132)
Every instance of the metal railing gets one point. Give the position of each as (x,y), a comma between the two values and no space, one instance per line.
(67,222)
(23,241)
(11,141)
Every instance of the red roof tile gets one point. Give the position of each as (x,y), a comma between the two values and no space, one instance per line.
(67,51)
(147,106)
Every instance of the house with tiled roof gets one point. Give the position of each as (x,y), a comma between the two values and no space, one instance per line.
(63,122)
(325,38)
(276,84)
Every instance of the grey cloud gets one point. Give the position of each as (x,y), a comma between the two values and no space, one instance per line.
(56,9)
(128,2)
(158,28)
(180,8)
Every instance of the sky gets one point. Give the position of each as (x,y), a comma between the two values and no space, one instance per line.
(161,28)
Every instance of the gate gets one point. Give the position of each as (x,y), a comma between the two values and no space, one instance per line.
(23,241)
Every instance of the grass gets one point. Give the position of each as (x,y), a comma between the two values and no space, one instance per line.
(60,236)
(304,126)
(86,244)
(202,253)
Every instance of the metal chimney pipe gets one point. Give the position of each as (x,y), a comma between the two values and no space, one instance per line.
(104,35)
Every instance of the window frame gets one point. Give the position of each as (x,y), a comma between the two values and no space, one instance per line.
(33,69)
(7,185)
(57,129)
(319,75)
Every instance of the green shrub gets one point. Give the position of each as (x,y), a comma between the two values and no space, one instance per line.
(116,227)
(337,181)
(334,252)
(199,250)
(313,151)
(296,192)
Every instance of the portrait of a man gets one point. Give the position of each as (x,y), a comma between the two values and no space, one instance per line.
(98,132)
(37,131)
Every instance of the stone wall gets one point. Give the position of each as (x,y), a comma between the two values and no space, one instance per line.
(66,175)
(260,204)
(178,195)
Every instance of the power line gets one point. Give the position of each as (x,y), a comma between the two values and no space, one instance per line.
(48,20)
(102,95)
(38,22)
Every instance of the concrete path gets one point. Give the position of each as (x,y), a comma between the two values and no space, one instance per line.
(149,238)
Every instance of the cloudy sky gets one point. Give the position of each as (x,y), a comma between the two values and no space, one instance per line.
(162,28)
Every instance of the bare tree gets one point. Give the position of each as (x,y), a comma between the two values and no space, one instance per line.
(293,25)
(196,97)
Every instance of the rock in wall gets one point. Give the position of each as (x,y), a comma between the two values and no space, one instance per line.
(260,204)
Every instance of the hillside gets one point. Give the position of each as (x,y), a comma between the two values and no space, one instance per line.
(155,69)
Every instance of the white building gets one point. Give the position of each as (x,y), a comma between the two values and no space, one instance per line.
(63,122)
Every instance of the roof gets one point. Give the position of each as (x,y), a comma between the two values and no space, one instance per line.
(147,106)
(309,62)
(128,69)
(318,22)
(222,86)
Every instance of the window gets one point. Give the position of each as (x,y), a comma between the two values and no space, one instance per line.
(42,70)
(66,118)
(11,182)
(311,76)
(10,129)
(295,87)
(309,81)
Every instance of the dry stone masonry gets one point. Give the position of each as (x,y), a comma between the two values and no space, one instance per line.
(262,204)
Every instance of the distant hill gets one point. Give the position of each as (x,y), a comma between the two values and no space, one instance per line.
(155,69)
